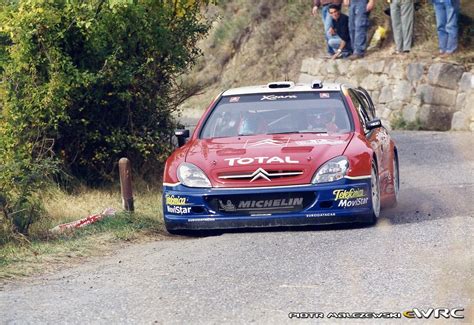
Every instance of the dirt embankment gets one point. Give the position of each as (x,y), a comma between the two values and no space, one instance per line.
(261,41)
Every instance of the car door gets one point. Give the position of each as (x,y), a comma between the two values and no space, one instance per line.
(383,135)
(376,137)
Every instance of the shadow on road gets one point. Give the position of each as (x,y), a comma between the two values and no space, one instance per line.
(209,233)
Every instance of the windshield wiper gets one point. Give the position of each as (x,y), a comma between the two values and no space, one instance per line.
(314,132)
(288,132)
(283,132)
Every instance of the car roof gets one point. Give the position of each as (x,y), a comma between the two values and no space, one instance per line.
(283,87)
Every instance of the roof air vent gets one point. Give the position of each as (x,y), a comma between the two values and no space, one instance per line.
(281,84)
(317,84)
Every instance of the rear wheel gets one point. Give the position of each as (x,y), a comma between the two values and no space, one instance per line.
(375,195)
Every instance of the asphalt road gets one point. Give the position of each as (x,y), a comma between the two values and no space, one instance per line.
(419,255)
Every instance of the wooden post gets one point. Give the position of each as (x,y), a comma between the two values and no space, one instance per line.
(125,171)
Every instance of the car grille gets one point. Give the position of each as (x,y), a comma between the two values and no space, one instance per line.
(248,204)
(260,173)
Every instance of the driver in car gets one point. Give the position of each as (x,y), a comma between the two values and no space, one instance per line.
(251,124)
(323,122)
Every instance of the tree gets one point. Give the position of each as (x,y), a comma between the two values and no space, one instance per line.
(99,78)
(85,83)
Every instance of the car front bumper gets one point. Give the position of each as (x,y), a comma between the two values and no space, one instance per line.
(344,201)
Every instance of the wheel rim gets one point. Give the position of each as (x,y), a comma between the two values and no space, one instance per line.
(375,193)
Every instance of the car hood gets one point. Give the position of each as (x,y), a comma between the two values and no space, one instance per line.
(272,160)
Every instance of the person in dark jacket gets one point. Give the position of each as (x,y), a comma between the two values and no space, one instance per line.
(323,6)
(338,34)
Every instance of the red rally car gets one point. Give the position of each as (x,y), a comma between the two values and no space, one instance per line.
(282,154)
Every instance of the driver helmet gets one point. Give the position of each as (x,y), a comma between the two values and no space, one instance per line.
(251,124)
(322,118)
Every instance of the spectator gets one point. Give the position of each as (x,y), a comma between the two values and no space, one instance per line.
(359,11)
(338,34)
(324,6)
(402,13)
(447,12)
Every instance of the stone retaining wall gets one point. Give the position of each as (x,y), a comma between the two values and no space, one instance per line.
(430,95)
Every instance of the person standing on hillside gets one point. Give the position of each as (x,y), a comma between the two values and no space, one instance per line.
(338,34)
(323,6)
(359,11)
(447,12)
(402,13)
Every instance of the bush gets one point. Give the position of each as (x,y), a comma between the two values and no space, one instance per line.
(84,83)
(22,177)
(99,77)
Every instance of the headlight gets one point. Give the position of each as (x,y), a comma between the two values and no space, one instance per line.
(331,171)
(190,175)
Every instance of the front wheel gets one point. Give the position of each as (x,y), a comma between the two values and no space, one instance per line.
(173,231)
(396,180)
(395,183)
(375,191)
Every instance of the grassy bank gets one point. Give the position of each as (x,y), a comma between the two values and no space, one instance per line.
(43,251)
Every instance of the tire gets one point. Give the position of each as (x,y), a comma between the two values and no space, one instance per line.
(396,183)
(396,180)
(375,195)
(192,233)
(172,231)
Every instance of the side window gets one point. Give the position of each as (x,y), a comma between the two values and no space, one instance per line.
(361,112)
(364,107)
(367,103)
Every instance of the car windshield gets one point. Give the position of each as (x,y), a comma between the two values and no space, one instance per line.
(311,112)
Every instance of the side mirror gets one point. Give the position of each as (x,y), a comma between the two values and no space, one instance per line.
(375,123)
(181,135)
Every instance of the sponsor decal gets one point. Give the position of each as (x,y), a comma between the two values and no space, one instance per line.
(350,198)
(277,97)
(353,193)
(316,215)
(178,209)
(176,200)
(234,99)
(383,138)
(283,204)
(201,219)
(318,142)
(353,203)
(228,207)
(261,160)
(324,95)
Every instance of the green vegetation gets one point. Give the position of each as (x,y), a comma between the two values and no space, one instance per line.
(99,79)
(42,249)
(399,123)
(30,255)
(83,84)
